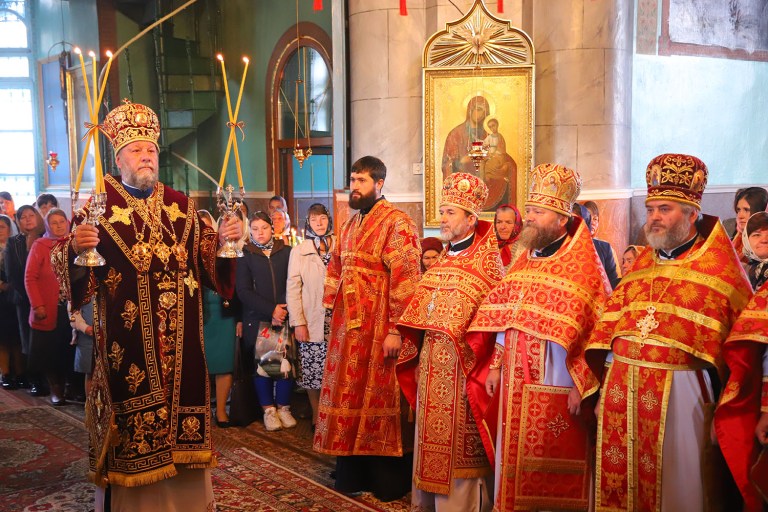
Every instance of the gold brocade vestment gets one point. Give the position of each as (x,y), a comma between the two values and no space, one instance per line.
(449,445)
(555,299)
(372,274)
(665,316)
(148,406)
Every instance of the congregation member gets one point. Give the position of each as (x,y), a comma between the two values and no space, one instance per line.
(743,411)
(373,272)
(50,352)
(45,202)
(755,248)
(594,226)
(81,322)
(262,275)
(304,294)
(431,249)
(222,329)
(629,257)
(149,373)
(31,227)
(11,361)
(661,330)
(281,225)
(451,470)
(603,248)
(276,202)
(747,202)
(540,316)
(8,207)
(508,223)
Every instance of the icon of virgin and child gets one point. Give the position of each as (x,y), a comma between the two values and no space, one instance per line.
(499,171)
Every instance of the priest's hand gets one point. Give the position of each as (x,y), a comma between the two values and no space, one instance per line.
(761,431)
(86,237)
(231,229)
(301,333)
(574,401)
(492,381)
(392,345)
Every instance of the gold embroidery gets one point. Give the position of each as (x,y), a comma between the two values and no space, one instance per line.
(113,281)
(167,300)
(165,283)
(173,212)
(617,395)
(614,454)
(191,427)
(121,215)
(129,314)
(135,378)
(116,355)
(558,425)
(192,284)
(649,400)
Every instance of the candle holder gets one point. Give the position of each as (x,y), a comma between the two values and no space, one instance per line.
(228,204)
(478,153)
(91,257)
(301,154)
(53,160)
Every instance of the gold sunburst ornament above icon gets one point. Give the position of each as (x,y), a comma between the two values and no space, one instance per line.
(479,38)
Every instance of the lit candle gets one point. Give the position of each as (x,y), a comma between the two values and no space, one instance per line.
(97,171)
(104,80)
(229,110)
(234,120)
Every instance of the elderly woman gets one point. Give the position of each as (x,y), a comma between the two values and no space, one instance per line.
(261,279)
(281,223)
(11,362)
(304,294)
(508,223)
(50,350)
(755,240)
(221,328)
(431,249)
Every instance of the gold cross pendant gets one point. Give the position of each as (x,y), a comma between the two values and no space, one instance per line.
(648,323)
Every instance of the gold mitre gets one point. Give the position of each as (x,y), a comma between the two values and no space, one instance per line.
(554,187)
(466,191)
(676,177)
(131,122)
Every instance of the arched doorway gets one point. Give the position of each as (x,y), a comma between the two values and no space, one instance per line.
(287,125)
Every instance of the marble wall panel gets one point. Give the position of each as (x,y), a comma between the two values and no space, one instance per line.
(608,24)
(570,87)
(618,87)
(557,144)
(407,35)
(390,129)
(603,156)
(368,55)
(358,6)
(558,25)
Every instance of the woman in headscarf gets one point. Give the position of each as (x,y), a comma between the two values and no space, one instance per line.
(755,240)
(261,279)
(51,352)
(221,330)
(15,261)
(508,223)
(431,249)
(11,361)
(304,294)
(747,202)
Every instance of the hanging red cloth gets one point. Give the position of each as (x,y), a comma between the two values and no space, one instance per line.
(318,5)
(403,8)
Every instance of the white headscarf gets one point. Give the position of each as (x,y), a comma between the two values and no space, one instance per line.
(748,251)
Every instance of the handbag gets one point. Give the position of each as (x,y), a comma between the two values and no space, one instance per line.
(275,352)
(244,406)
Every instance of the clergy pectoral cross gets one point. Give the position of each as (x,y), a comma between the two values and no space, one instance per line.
(431,305)
(648,323)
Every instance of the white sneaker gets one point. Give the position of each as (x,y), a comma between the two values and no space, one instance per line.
(286,418)
(271,421)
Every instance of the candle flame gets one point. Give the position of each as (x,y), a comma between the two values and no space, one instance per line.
(91,54)
(109,54)
(246,59)
(77,50)
(220,57)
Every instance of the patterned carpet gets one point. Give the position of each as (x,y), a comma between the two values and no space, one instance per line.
(43,463)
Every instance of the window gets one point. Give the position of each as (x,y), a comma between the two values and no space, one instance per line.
(318,95)
(17,142)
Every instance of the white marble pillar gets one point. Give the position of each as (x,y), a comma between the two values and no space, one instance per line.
(584,100)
